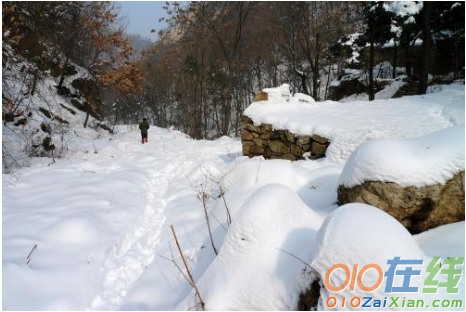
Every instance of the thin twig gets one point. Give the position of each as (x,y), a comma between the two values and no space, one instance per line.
(176,265)
(209,175)
(203,197)
(206,214)
(29,257)
(300,260)
(225,203)
(193,283)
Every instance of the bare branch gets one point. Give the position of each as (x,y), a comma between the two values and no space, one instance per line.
(193,283)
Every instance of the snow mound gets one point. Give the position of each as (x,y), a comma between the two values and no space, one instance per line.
(257,172)
(73,231)
(443,241)
(379,237)
(279,94)
(427,160)
(252,271)
(282,95)
(302,98)
(347,125)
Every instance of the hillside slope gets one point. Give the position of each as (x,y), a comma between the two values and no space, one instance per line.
(41,119)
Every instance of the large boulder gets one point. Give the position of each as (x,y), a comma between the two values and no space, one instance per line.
(417,208)
(419,181)
(346,87)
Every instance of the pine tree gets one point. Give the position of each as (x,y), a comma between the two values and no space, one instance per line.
(378,20)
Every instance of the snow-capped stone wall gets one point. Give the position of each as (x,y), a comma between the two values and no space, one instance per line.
(263,140)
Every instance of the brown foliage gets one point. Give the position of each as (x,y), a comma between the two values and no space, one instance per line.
(127,78)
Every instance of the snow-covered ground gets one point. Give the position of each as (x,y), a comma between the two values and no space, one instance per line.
(100,218)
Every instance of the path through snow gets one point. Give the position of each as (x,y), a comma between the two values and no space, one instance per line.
(120,194)
(165,159)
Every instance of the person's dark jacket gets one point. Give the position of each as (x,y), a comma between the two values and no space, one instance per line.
(144,126)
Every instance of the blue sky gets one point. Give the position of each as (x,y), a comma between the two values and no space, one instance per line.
(142,16)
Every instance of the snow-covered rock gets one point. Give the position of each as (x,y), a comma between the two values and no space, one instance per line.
(378,238)
(417,208)
(418,181)
(348,86)
(427,160)
(279,94)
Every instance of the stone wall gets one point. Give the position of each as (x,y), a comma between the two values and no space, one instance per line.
(263,140)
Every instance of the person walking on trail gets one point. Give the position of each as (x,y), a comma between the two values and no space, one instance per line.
(144,126)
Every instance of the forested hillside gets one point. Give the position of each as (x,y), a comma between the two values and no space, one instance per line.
(58,59)
(205,69)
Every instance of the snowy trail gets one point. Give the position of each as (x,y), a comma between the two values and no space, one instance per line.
(136,249)
(98,218)
(128,259)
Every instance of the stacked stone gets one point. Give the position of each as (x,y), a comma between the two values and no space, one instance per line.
(263,140)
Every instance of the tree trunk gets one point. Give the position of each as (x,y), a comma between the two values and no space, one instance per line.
(62,77)
(371,67)
(303,77)
(316,74)
(227,109)
(328,81)
(86,120)
(34,81)
(407,62)
(394,58)
(259,74)
(315,86)
(426,47)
